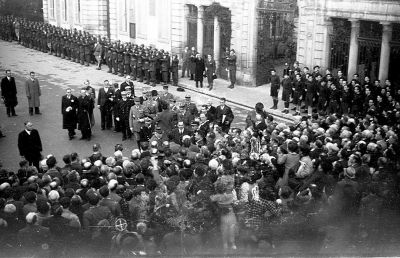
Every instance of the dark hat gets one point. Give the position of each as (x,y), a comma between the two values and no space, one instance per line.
(154,93)
(165,87)
(158,129)
(187,96)
(223,99)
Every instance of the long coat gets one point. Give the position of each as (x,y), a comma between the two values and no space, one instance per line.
(85,112)
(9,91)
(33,92)
(30,146)
(70,118)
(199,70)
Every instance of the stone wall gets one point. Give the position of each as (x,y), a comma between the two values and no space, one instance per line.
(314,25)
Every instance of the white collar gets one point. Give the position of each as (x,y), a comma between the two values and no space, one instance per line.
(28,132)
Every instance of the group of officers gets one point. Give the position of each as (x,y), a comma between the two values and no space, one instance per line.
(143,63)
(153,116)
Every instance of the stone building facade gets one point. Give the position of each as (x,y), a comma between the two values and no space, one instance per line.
(208,25)
(355,36)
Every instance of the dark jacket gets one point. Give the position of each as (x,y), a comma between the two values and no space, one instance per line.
(30,146)
(9,92)
(70,117)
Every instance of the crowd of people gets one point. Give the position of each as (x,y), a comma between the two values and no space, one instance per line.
(192,174)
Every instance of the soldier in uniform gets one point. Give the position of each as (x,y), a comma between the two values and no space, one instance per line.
(82,51)
(190,106)
(127,61)
(232,68)
(174,70)
(120,60)
(139,68)
(67,50)
(107,57)
(275,84)
(114,57)
(166,96)
(164,68)
(88,51)
(136,119)
(98,52)
(133,64)
(152,68)
(146,65)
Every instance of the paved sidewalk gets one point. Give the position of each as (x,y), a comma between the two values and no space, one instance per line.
(243,96)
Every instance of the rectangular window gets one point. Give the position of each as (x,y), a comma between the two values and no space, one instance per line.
(51,8)
(132,30)
(152,7)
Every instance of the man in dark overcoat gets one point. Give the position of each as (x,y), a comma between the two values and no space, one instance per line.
(85,113)
(9,93)
(30,144)
(33,93)
(105,102)
(199,70)
(69,110)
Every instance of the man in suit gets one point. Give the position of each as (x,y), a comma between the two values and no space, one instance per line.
(224,116)
(30,144)
(199,70)
(9,93)
(232,68)
(33,94)
(69,110)
(177,134)
(126,83)
(105,103)
(185,61)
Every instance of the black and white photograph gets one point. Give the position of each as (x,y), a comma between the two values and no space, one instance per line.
(199,128)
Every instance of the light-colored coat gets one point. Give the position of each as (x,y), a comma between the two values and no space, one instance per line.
(33,92)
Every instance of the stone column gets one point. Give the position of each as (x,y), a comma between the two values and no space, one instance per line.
(328,44)
(200,29)
(185,27)
(353,53)
(385,50)
(217,43)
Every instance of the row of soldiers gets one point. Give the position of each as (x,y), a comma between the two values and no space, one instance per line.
(145,64)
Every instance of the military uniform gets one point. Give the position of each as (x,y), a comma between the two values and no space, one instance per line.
(139,68)
(82,51)
(146,66)
(120,61)
(152,69)
(114,61)
(127,62)
(88,51)
(136,115)
(133,65)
